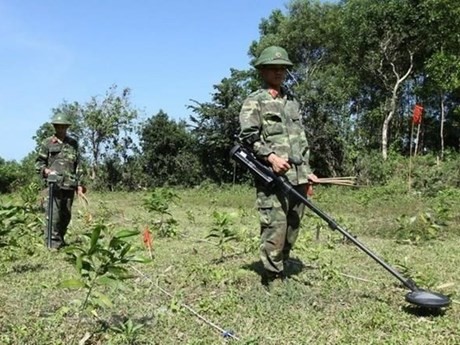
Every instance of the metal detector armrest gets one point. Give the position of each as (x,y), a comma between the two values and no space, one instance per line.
(259,170)
(52,178)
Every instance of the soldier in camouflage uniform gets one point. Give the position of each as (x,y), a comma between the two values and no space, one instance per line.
(271,126)
(59,154)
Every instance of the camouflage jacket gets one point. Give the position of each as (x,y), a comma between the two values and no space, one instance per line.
(271,123)
(61,156)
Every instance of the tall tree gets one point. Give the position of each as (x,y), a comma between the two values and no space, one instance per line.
(168,152)
(215,125)
(379,45)
(107,127)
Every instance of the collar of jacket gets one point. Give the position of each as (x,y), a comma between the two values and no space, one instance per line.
(55,139)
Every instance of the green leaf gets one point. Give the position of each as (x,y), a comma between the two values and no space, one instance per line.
(140,259)
(72,284)
(116,242)
(117,270)
(102,300)
(212,235)
(126,233)
(108,281)
(125,250)
(72,249)
(94,238)
(79,263)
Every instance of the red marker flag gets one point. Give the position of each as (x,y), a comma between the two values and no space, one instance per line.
(417,114)
(147,239)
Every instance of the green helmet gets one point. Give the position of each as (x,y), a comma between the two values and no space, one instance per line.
(61,119)
(273,55)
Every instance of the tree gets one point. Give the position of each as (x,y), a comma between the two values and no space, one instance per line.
(443,70)
(104,130)
(380,44)
(168,152)
(216,125)
(107,127)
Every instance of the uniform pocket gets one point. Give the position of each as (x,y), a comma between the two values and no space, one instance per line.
(273,124)
(265,206)
(54,149)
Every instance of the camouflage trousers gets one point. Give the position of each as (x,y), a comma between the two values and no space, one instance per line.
(62,213)
(280,217)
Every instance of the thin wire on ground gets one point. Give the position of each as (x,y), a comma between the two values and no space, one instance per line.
(202,318)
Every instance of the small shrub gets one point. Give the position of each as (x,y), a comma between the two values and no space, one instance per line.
(158,204)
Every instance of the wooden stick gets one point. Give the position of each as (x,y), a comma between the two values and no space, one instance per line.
(327,180)
(339,178)
(410,155)
(351,183)
(417,140)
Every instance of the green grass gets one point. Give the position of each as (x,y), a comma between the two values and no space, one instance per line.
(337,296)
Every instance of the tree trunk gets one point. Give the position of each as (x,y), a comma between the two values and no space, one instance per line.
(386,125)
(95,151)
(441,134)
(393,102)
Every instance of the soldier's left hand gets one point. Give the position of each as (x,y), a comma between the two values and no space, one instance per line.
(81,190)
(313,178)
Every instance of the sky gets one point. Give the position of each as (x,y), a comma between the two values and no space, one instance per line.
(166,52)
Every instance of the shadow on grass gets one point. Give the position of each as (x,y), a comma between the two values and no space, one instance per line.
(117,320)
(294,267)
(23,268)
(424,312)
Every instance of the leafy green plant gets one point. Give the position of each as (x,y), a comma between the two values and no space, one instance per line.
(29,196)
(103,210)
(222,231)
(128,331)
(100,263)
(407,269)
(158,204)
(419,228)
(251,242)
(18,228)
(329,271)
(9,218)
(444,203)
(190,217)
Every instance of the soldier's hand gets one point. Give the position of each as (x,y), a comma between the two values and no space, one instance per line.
(279,165)
(81,190)
(47,171)
(313,178)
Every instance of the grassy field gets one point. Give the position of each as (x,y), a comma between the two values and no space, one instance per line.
(197,290)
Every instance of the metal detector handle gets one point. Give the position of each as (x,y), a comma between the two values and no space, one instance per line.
(51,179)
(245,158)
(295,161)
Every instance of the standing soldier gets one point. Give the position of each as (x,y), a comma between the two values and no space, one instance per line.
(271,127)
(59,155)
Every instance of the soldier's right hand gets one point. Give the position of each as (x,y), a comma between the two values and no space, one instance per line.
(47,171)
(279,165)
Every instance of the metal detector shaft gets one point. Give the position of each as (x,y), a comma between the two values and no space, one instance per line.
(334,226)
(52,178)
(259,169)
(49,228)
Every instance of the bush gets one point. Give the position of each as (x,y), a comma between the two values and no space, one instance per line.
(10,175)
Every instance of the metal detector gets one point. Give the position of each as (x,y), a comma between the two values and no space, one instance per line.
(51,180)
(417,296)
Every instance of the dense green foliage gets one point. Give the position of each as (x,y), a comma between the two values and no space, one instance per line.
(211,265)
(360,66)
